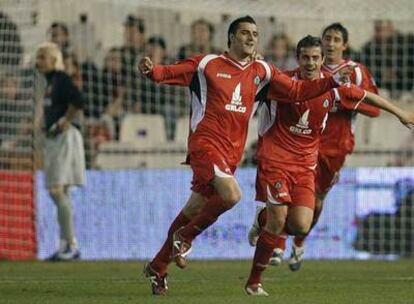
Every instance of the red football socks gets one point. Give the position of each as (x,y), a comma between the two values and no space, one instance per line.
(207,216)
(163,257)
(265,244)
(299,241)
(281,241)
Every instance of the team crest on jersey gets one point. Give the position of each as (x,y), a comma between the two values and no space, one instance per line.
(326,103)
(236,104)
(257,80)
(278,185)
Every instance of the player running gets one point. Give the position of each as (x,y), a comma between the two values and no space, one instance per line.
(224,90)
(338,137)
(290,133)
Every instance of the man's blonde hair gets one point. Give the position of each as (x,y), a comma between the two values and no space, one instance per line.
(52,50)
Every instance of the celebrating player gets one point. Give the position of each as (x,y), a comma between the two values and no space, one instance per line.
(338,137)
(223,90)
(288,154)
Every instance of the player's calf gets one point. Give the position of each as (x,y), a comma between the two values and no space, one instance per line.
(180,250)
(254,231)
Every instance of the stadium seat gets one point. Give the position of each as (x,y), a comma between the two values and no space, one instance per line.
(127,155)
(116,155)
(375,139)
(144,130)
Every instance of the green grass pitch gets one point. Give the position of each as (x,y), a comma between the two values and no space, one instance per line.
(216,282)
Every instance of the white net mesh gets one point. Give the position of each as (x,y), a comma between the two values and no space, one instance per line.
(133,123)
(17,161)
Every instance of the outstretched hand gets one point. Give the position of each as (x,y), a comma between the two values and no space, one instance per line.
(145,65)
(343,76)
(407,119)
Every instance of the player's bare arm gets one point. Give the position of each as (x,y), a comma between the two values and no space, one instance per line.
(406,117)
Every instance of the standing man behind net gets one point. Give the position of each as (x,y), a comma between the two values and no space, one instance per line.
(224,89)
(338,137)
(64,158)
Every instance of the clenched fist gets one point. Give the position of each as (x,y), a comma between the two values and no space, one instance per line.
(145,65)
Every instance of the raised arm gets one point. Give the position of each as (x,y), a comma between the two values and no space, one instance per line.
(180,73)
(368,84)
(406,117)
(283,88)
(353,97)
(369,110)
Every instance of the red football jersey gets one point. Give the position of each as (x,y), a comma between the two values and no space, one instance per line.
(338,137)
(223,95)
(290,132)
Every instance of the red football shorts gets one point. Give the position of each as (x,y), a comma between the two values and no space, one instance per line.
(207,163)
(327,172)
(281,186)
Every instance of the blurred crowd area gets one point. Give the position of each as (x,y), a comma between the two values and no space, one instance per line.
(114,89)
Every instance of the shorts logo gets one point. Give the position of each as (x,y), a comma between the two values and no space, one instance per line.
(326,103)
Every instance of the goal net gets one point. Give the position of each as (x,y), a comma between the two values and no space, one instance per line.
(138,129)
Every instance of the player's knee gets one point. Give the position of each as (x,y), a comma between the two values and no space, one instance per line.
(318,205)
(302,230)
(192,210)
(299,229)
(275,224)
(56,193)
(231,199)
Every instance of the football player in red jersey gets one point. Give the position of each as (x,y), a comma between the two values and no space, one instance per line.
(290,135)
(224,90)
(338,137)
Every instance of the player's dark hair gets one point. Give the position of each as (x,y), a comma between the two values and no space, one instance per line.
(339,28)
(309,41)
(235,25)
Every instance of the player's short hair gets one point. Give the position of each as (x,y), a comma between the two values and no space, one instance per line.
(339,28)
(235,25)
(309,41)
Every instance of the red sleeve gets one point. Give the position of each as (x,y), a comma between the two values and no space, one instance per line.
(368,84)
(180,73)
(285,89)
(350,97)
